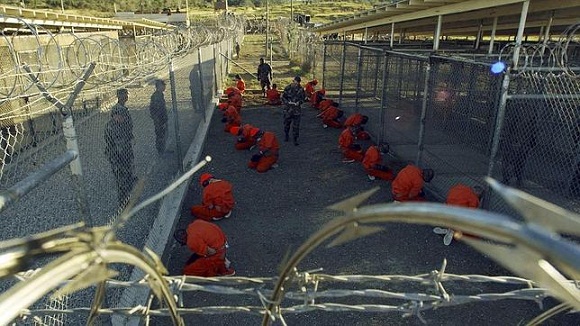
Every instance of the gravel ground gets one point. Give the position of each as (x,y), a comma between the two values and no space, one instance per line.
(276,211)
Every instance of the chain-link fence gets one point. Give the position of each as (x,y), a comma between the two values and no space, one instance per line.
(57,106)
(449,113)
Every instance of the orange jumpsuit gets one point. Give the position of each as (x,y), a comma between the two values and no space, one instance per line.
(234,98)
(324,104)
(372,164)
(273,96)
(408,184)
(330,117)
(462,195)
(202,235)
(241,85)
(245,141)
(317,97)
(309,89)
(269,146)
(347,145)
(218,200)
(355,120)
(233,118)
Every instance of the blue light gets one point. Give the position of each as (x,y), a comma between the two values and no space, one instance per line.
(498,67)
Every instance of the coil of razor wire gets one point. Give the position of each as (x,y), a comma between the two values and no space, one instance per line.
(561,56)
(58,60)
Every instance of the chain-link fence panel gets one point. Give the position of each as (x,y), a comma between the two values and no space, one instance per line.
(460,121)
(538,145)
(332,68)
(119,145)
(403,96)
(369,86)
(349,78)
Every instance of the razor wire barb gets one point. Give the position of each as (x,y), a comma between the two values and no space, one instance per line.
(548,55)
(87,253)
(83,247)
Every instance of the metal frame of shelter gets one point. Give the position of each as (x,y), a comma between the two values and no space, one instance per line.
(437,19)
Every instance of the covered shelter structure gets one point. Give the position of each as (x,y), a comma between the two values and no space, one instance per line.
(471,88)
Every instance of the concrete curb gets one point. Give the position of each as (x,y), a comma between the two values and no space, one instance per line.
(166,221)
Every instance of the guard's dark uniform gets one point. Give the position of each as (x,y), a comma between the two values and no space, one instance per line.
(119,151)
(158,112)
(293,97)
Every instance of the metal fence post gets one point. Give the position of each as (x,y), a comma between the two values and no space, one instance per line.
(215,69)
(342,67)
(175,116)
(499,123)
(358,79)
(383,101)
(376,84)
(201,88)
(70,136)
(323,64)
(421,142)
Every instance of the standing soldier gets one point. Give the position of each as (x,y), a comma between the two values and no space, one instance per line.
(293,97)
(158,112)
(119,147)
(264,76)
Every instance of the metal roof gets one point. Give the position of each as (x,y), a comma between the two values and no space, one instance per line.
(459,17)
(14,17)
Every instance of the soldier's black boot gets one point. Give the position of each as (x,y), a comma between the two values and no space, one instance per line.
(296,141)
(286,137)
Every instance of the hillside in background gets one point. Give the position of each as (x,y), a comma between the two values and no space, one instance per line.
(320,11)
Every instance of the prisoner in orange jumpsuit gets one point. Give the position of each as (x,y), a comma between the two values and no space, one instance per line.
(325,104)
(356,121)
(245,136)
(209,245)
(331,117)
(409,182)
(309,88)
(232,118)
(218,199)
(351,151)
(234,98)
(240,83)
(462,196)
(273,95)
(317,97)
(372,163)
(268,155)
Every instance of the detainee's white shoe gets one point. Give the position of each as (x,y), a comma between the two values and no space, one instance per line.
(439,230)
(448,237)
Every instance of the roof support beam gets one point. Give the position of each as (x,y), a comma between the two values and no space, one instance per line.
(437,35)
(427,13)
(492,39)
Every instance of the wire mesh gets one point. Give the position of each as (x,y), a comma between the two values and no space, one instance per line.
(445,111)
(32,127)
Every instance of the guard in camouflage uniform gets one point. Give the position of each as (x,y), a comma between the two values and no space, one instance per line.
(158,112)
(293,97)
(119,147)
